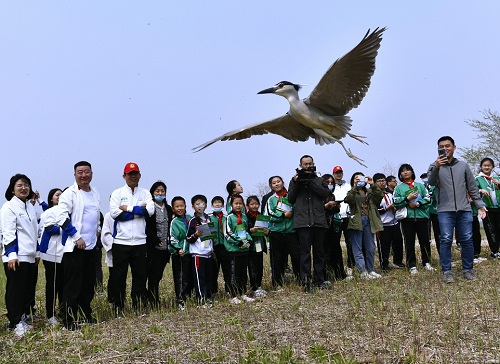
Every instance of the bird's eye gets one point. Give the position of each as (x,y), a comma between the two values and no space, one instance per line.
(280,85)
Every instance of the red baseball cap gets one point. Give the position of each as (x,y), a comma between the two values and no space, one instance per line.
(131,167)
(337,169)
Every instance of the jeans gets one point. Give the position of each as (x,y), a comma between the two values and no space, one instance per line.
(363,239)
(462,220)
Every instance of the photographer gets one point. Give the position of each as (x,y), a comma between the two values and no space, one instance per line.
(307,192)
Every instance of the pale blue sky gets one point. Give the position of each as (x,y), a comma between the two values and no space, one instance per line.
(145,81)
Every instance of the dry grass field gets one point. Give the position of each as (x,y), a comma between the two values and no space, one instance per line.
(396,319)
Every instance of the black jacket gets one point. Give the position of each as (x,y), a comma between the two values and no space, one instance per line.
(308,198)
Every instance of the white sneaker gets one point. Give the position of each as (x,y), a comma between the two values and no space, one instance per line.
(348,271)
(259,293)
(348,278)
(53,321)
(247,299)
(20,329)
(366,275)
(375,274)
(235,301)
(429,267)
(413,270)
(27,326)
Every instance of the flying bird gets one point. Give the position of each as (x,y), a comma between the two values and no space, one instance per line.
(323,114)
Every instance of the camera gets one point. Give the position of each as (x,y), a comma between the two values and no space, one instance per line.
(306,174)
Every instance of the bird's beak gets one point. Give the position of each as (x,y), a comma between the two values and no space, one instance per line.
(269,90)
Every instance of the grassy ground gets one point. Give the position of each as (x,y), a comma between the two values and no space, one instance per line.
(396,319)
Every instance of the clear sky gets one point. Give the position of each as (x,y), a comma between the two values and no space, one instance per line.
(145,81)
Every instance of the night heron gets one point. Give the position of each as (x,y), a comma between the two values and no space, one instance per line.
(323,114)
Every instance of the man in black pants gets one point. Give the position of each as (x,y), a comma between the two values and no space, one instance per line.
(308,192)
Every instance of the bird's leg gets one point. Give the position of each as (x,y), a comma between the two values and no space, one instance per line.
(357,137)
(350,155)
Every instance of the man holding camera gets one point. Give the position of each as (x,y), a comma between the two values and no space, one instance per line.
(308,192)
(454,184)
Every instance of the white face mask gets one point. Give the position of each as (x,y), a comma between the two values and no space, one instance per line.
(330,187)
(217,209)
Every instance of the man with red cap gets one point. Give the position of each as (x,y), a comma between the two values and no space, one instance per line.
(340,191)
(130,206)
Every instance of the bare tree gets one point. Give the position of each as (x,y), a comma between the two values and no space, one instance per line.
(488,134)
(260,190)
(389,169)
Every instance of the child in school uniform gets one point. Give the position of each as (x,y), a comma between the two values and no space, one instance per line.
(258,248)
(179,250)
(233,188)
(201,249)
(237,244)
(219,219)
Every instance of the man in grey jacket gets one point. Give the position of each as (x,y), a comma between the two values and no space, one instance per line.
(455,185)
(308,192)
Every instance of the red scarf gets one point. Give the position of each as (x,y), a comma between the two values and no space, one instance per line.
(253,213)
(282,194)
(410,184)
(240,220)
(219,217)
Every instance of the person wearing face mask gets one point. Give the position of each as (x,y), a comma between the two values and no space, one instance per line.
(219,219)
(334,264)
(157,240)
(364,222)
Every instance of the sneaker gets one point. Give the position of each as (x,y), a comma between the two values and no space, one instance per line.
(259,293)
(20,330)
(366,275)
(400,265)
(428,267)
(348,278)
(326,285)
(181,306)
(348,271)
(53,321)
(469,275)
(481,259)
(413,270)
(247,299)
(495,255)
(448,277)
(375,274)
(29,319)
(235,301)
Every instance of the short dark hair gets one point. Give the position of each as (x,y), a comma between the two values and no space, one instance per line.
(81,164)
(178,198)
(378,176)
(273,177)
(305,156)
(9,193)
(253,197)
(198,197)
(327,176)
(217,198)
(423,175)
(156,185)
(52,192)
(446,137)
(487,159)
(235,197)
(354,175)
(390,178)
(408,167)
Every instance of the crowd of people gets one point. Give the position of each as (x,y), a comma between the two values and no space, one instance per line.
(302,225)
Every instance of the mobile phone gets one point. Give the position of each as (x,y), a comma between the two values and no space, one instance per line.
(442,152)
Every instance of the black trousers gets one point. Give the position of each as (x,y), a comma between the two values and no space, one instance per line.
(237,264)
(476,236)
(98,267)
(19,291)
(183,277)
(420,227)
(334,263)
(391,237)
(492,229)
(283,245)
(312,238)
(156,262)
(202,276)
(338,236)
(434,222)
(255,269)
(217,265)
(54,285)
(135,257)
(79,281)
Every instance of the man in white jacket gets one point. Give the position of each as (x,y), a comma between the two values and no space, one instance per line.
(79,214)
(130,206)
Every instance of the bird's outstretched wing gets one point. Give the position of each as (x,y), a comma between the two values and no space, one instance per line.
(346,82)
(285,125)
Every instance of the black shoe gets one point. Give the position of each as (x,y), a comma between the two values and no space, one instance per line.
(326,285)
(400,265)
